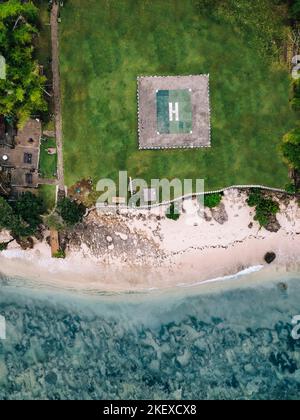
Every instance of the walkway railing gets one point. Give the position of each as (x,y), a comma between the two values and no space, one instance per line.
(188,196)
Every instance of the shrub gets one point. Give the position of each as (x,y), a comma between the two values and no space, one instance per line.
(254,197)
(291,188)
(265,208)
(212,200)
(173,212)
(59,254)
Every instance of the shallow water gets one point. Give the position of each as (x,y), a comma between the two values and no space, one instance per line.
(187,344)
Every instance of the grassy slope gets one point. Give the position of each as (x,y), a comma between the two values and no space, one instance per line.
(106,45)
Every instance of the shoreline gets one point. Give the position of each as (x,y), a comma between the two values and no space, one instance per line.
(138,252)
(251,277)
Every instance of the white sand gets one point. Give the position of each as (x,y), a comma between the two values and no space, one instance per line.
(192,250)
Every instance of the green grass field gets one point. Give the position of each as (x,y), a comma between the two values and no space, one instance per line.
(48,194)
(106,45)
(48,163)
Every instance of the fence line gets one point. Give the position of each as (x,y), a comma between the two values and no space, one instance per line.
(184,197)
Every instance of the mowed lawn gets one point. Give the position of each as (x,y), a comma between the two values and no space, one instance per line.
(105,45)
(48,162)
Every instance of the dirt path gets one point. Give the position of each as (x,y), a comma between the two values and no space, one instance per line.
(47,181)
(57,95)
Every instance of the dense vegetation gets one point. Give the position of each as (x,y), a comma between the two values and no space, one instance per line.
(265,208)
(29,208)
(212,200)
(290,149)
(70,211)
(290,145)
(21,93)
(22,218)
(295,9)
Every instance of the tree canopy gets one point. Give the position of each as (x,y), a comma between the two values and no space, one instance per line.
(290,149)
(295,9)
(21,93)
(70,211)
(30,207)
(6,214)
(23,218)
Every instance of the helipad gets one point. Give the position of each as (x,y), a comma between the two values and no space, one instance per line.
(174,112)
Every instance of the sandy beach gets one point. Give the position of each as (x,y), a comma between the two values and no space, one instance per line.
(140,250)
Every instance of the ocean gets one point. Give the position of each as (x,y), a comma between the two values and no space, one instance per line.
(229,340)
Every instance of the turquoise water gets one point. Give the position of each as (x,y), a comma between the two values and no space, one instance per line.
(186,344)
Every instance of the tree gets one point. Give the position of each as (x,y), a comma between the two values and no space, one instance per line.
(290,149)
(29,208)
(6,214)
(21,93)
(20,229)
(295,9)
(9,220)
(70,211)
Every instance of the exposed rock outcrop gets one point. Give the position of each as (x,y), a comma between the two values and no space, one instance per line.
(219,214)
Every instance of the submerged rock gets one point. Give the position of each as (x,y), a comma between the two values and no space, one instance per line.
(78,349)
(51,378)
(283,286)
